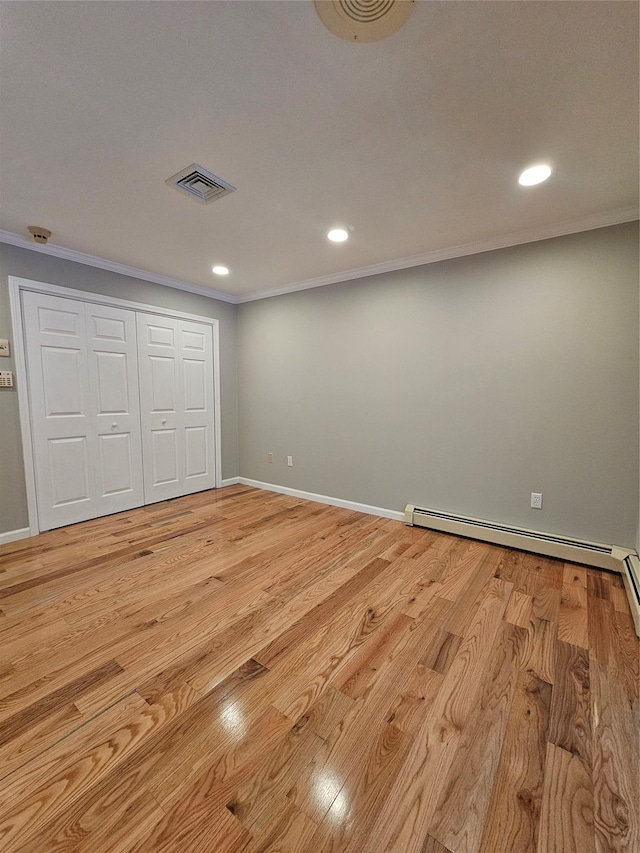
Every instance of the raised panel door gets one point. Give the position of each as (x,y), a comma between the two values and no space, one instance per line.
(61,420)
(176,394)
(113,372)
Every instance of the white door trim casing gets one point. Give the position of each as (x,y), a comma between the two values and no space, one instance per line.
(16,285)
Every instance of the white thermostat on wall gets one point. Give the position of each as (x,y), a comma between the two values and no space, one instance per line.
(6,379)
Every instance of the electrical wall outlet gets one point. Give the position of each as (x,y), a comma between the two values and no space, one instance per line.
(269,457)
(290,461)
(4,347)
(536,500)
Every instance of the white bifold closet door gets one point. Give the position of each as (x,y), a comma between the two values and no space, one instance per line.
(176,400)
(85,413)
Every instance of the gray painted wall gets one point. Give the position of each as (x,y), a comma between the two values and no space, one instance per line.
(463,385)
(39,267)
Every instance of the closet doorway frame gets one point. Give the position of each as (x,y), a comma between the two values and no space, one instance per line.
(16,286)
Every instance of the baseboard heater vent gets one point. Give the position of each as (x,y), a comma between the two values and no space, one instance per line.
(610,557)
(631,575)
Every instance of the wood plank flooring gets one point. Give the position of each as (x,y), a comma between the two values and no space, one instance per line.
(243,672)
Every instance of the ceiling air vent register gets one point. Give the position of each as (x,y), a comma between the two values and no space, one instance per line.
(363,20)
(200,184)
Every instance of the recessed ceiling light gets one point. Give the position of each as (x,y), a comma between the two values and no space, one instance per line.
(220,270)
(534,175)
(338,235)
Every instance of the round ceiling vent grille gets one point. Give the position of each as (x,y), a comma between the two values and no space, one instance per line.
(363,20)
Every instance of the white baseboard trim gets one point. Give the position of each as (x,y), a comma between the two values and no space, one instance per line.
(324,499)
(230,481)
(14,535)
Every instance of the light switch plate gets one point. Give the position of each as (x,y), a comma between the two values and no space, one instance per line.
(4,347)
(6,379)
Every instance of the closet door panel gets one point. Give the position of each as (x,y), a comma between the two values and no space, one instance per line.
(196,356)
(61,417)
(195,391)
(113,372)
(68,473)
(160,395)
(176,393)
(196,456)
(116,465)
(164,445)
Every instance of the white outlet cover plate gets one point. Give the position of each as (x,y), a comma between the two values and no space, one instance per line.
(536,500)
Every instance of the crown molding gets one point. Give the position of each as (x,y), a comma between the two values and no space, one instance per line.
(113,266)
(516,238)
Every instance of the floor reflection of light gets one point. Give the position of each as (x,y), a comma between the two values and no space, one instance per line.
(232,719)
(340,806)
(331,795)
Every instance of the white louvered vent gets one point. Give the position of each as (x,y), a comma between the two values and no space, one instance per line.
(200,184)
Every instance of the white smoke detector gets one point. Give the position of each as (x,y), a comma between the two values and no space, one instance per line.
(363,20)
(200,184)
(39,234)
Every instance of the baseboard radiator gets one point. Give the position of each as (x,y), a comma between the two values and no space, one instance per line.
(611,557)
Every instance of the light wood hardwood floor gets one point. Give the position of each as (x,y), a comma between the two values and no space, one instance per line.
(246,672)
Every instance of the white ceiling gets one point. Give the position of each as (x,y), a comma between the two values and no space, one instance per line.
(414,142)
